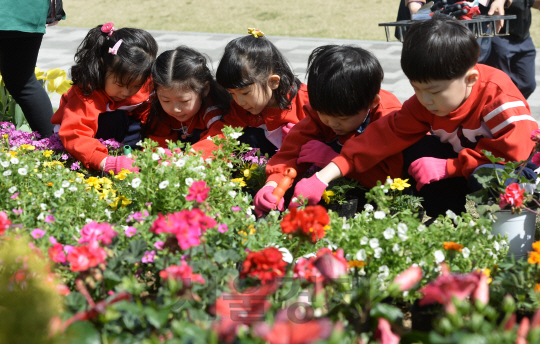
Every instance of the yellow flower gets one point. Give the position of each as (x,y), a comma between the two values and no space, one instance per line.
(39,73)
(57,81)
(123,201)
(27,147)
(5,136)
(326,196)
(80,175)
(122,175)
(13,153)
(51,164)
(246,171)
(486,272)
(251,232)
(47,153)
(93,182)
(239,181)
(399,184)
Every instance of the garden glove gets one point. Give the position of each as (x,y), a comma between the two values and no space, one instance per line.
(264,201)
(285,130)
(117,163)
(426,170)
(310,189)
(316,152)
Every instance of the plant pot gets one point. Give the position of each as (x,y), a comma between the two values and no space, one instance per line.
(519,228)
(347,209)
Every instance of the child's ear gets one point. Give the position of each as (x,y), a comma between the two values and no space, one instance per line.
(376,101)
(471,77)
(273,81)
(206,89)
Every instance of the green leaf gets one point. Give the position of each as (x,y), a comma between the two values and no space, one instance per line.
(18,116)
(82,332)
(384,310)
(222,256)
(111,275)
(156,318)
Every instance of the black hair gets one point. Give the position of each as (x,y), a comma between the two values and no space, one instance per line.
(184,69)
(342,79)
(438,49)
(93,61)
(248,60)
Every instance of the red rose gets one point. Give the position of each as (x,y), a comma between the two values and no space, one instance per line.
(265,265)
(310,222)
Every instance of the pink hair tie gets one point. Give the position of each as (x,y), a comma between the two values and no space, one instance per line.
(114,50)
(107,28)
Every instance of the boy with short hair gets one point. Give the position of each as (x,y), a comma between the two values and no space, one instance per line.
(467,106)
(344,89)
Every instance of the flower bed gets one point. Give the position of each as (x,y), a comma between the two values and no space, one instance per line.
(174,254)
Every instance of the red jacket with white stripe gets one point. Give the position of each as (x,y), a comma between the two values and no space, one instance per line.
(495,117)
(271,120)
(78,119)
(169,128)
(311,128)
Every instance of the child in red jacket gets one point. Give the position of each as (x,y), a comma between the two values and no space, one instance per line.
(110,96)
(188,99)
(467,106)
(268,98)
(344,86)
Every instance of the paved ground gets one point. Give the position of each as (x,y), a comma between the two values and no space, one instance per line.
(60,43)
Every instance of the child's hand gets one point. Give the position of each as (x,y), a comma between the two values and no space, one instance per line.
(316,152)
(285,130)
(426,170)
(117,163)
(264,201)
(311,189)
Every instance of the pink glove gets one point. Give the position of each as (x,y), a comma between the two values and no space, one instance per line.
(311,189)
(117,163)
(426,170)
(285,130)
(264,201)
(316,152)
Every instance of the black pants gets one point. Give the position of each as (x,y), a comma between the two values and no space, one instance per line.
(119,126)
(18,56)
(256,138)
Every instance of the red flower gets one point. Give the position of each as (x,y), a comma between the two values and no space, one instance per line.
(311,222)
(4,222)
(56,253)
(513,195)
(304,269)
(536,159)
(181,272)
(266,265)
(83,258)
(330,264)
(198,192)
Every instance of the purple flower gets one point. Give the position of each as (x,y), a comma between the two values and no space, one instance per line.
(14,195)
(130,231)
(222,228)
(49,219)
(64,157)
(37,233)
(148,257)
(75,166)
(236,208)
(159,245)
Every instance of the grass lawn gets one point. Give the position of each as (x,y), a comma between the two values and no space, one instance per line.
(352,19)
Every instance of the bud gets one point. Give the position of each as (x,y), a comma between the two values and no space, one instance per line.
(508,304)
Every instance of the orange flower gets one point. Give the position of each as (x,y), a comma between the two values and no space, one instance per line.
(537,287)
(50,184)
(356,264)
(536,246)
(452,246)
(534,257)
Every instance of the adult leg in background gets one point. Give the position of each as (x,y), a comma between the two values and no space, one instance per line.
(18,56)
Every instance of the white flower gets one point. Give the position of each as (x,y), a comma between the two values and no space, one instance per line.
(14,161)
(232,193)
(396,248)
(12,189)
(439,256)
(23,171)
(368,207)
(139,143)
(65,184)
(408,260)
(402,232)
(389,233)
(165,163)
(202,175)
(384,272)
(43,206)
(346,226)
(389,181)
(421,228)
(41,216)
(451,214)
(160,150)
(361,255)
(108,213)
(72,188)
(405,293)
(4,163)
(504,244)
(249,211)
(235,135)
(164,184)
(177,185)
(496,246)
(472,223)
(422,262)
(180,163)
(374,243)
(189,181)
(379,215)
(7,173)
(364,240)
(483,230)
(136,182)
(377,252)
(490,236)
(229,165)
(155,157)
(466,252)
(287,256)
(58,193)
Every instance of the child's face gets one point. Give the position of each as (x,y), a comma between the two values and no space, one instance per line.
(441,97)
(343,125)
(118,91)
(180,104)
(254,98)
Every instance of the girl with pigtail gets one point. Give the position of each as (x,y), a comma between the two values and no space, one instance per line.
(109,97)
(268,97)
(187,99)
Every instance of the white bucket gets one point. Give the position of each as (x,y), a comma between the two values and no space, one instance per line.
(519,228)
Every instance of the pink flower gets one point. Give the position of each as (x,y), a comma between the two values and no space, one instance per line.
(481,293)
(68,248)
(148,257)
(536,159)
(56,253)
(182,272)
(49,219)
(130,231)
(94,231)
(52,240)
(139,217)
(159,245)
(198,192)
(14,195)
(409,278)
(384,333)
(330,264)
(236,208)
(513,196)
(289,331)
(535,135)
(4,222)
(523,331)
(222,228)
(75,166)
(37,233)
(17,211)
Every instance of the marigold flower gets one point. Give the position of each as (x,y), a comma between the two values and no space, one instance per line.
(311,222)
(534,257)
(536,246)
(265,265)
(356,264)
(399,184)
(450,245)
